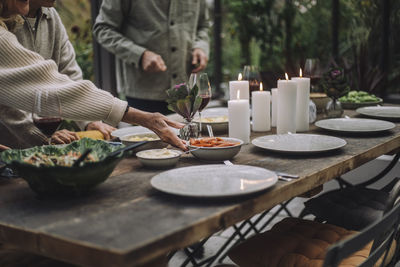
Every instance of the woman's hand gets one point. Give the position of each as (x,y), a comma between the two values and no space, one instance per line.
(2,148)
(158,123)
(104,128)
(63,137)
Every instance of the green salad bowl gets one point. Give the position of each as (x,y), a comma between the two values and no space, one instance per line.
(63,180)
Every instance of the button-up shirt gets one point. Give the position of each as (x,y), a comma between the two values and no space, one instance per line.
(170,28)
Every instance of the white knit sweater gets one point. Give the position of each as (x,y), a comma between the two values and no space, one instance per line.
(23,73)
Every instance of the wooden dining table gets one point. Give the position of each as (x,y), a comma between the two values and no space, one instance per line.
(126,222)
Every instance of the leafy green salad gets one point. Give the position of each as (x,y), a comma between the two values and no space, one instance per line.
(359,97)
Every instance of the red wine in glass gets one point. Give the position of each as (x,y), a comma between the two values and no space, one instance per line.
(254,85)
(47,125)
(47,101)
(204,101)
(204,93)
(314,80)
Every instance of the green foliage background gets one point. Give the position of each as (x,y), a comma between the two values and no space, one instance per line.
(254,33)
(76,17)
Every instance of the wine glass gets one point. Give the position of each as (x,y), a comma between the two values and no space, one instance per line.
(192,80)
(204,92)
(312,70)
(252,74)
(46,111)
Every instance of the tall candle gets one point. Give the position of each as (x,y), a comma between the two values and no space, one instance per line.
(261,111)
(302,103)
(239,85)
(239,119)
(286,117)
(274,108)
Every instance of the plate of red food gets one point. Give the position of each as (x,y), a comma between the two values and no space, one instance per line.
(215,148)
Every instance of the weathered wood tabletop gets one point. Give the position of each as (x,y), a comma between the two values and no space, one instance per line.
(124,221)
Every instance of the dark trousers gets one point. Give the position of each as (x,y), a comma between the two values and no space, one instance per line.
(149,105)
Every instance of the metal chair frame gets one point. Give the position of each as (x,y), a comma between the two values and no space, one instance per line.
(343,183)
(193,251)
(382,233)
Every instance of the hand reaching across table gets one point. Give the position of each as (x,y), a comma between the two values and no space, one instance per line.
(63,137)
(104,128)
(2,148)
(159,124)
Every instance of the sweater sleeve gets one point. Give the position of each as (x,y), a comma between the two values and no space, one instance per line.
(23,73)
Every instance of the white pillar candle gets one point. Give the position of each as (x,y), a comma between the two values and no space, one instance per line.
(261,111)
(286,117)
(239,85)
(302,104)
(274,109)
(239,119)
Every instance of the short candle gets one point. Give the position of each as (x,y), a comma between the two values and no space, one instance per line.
(286,116)
(302,103)
(261,110)
(274,106)
(239,85)
(239,119)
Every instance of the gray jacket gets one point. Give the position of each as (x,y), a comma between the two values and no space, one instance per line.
(170,28)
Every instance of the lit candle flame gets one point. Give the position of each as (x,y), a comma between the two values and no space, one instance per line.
(286,76)
(240,77)
(238,94)
(261,87)
(301,73)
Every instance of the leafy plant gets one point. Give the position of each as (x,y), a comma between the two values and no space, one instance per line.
(184,101)
(76,17)
(334,83)
(82,41)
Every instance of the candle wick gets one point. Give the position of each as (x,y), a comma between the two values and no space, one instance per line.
(286,76)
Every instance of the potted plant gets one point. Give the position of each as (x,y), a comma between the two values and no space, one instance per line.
(186,102)
(335,85)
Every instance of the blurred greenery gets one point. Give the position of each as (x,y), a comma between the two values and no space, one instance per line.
(278,35)
(76,17)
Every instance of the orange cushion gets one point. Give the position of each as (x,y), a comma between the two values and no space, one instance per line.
(294,242)
(12,257)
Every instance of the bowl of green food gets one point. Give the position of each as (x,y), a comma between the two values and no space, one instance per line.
(357,99)
(49,170)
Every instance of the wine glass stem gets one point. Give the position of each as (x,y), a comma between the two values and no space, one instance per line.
(200,125)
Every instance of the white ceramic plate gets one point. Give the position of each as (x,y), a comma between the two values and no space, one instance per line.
(212,181)
(134,130)
(353,125)
(209,112)
(299,143)
(218,123)
(380,112)
(213,112)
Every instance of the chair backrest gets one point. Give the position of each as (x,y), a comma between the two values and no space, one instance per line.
(382,233)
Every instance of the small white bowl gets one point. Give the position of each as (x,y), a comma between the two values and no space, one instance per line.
(157,143)
(217,153)
(159,162)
